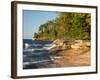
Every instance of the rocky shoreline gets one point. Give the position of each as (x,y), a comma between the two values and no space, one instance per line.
(67,54)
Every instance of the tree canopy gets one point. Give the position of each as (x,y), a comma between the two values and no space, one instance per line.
(67,26)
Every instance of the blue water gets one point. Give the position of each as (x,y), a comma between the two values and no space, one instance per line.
(35,53)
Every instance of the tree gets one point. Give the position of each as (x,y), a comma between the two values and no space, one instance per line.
(66,26)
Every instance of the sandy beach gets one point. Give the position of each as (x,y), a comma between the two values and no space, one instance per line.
(72,58)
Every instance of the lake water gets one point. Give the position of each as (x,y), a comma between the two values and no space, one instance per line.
(36,54)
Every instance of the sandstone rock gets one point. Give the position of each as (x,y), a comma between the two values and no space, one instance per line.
(58,43)
(80,44)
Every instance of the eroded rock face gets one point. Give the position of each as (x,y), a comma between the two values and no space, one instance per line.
(75,44)
(80,44)
(77,55)
(58,42)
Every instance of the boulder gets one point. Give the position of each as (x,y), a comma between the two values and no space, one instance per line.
(58,43)
(80,44)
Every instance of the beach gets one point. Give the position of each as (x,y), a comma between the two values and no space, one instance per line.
(59,53)
(72,57)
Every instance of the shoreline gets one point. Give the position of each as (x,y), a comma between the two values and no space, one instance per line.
(72,57)
(68,54)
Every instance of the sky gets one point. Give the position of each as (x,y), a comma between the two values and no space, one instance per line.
(32,19)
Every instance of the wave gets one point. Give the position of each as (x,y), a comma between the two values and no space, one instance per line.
(35,50)
(26,45)
(28,50)
(32,47)
(49,46)
(36,62)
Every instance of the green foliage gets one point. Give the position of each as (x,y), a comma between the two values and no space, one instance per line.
(67,26)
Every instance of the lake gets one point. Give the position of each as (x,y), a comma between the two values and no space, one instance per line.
(36,53)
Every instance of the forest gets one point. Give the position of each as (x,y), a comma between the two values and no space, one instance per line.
(66,26)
